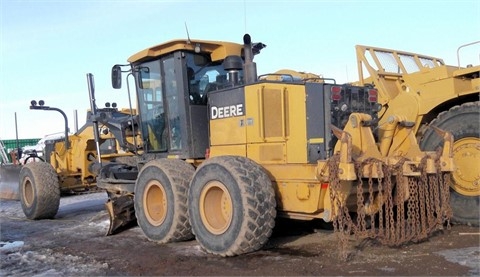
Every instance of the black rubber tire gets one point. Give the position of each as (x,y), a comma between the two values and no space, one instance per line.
(174,177)
(465,209)
(462,121)
(253,205)
(39,190)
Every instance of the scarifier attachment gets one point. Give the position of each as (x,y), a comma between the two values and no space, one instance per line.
(399,194)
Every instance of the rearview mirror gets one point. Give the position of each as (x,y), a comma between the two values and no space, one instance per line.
(116,76)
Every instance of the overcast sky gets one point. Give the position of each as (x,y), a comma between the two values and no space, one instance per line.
(48,47)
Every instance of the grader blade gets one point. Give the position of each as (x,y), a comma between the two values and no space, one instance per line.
(9,180)
(121,213)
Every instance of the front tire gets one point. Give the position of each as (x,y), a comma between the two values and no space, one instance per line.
(161,200)
(464,123)
(231,205)
(39,190)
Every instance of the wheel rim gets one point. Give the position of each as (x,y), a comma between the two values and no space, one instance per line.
(466,176)
(216,209)
(28,193)
(155,203)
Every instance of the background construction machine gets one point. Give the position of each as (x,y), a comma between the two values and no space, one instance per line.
(68,163)
(429,93)
(8,175)
(226,152)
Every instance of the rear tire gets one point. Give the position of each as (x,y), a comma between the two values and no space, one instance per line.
(464,123)
(231,205)
(161,200)
(464,208)
(39,190)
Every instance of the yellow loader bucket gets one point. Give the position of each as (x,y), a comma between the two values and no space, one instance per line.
(9,178)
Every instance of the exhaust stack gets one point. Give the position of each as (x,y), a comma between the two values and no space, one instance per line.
(249,67)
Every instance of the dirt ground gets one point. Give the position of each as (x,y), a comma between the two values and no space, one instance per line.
(73,244)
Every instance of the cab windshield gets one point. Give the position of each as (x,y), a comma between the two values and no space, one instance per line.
(165,87)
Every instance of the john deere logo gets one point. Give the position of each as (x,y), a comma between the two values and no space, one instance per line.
(226,111)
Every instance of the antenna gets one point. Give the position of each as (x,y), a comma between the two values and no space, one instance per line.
(188,35)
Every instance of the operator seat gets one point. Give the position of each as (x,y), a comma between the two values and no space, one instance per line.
(219,83)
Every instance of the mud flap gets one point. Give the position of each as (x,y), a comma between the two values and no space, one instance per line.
(121,212)
(9,181)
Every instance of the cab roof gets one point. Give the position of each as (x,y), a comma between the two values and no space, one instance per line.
(218,50)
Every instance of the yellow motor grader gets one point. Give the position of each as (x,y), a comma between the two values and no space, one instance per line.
(68,165)
(426,91)
(226,152)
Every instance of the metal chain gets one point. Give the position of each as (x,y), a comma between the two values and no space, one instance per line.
(381,231)
(337,206)
(371,196)
(420,212)
(444,179)
(360,203)
(422,209)
(412,185)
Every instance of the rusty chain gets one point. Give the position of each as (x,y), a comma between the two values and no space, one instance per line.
(401,208)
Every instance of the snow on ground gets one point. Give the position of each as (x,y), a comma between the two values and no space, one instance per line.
(469,257)
(17,260)
(20,258)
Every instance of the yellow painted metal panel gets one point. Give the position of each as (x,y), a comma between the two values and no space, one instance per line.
(221,150)
(265,153)
(218,49)
(276,112)
(227,131)
(295,196)
(296,124)
(302,172)
(297,187)
(253,121)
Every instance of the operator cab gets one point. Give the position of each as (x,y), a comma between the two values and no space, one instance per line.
(172,90)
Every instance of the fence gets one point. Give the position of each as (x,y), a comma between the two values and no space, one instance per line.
(11,144)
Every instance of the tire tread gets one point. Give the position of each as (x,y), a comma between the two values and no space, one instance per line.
(47,190)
